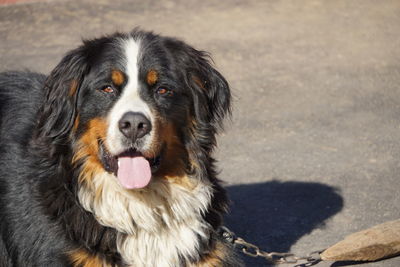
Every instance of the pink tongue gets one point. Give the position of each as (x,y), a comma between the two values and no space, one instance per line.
(133,172)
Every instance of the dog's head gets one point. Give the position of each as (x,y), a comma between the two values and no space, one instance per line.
(139,106)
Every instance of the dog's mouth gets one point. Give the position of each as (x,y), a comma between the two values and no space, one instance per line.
(132,169)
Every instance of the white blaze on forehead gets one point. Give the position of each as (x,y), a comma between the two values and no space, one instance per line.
(130,100)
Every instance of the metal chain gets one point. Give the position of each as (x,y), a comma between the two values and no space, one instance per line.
(272,257)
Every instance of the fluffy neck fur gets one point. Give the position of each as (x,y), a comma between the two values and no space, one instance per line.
(162,225)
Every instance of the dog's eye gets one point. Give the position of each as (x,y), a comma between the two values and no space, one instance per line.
(164,92)
(107,89)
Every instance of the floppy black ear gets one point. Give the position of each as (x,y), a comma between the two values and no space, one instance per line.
(211,93)
(58,111)
(211,103)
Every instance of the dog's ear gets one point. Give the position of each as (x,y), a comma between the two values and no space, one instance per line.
(211,104)
(58,111)
(211,92)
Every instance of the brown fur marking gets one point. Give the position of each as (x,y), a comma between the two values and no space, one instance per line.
(88,149)
(117,77)
(82,258)
(152,77)
(214,258)
(73,88)
(170,165)
(76,123)
(172,168)
(200,83)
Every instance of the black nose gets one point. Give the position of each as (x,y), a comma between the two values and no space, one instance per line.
(134,125)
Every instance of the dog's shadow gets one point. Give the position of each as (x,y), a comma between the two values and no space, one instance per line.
(274,215)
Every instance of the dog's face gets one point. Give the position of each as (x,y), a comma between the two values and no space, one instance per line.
(137,106)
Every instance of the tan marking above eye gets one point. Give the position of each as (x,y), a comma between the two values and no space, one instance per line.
(117,77)
(152,77)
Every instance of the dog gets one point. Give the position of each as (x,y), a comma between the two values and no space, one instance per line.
(107,161)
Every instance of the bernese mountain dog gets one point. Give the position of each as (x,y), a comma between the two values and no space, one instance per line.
(108,160)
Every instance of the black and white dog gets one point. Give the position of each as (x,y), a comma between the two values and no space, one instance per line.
(108,160)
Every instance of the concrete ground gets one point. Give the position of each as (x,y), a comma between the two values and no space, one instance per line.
(312,153)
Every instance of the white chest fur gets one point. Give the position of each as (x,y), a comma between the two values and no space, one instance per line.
(159,225)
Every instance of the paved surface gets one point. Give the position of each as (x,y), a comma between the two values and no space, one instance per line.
(313,150)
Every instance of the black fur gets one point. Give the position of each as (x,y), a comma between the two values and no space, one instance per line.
(41,220)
